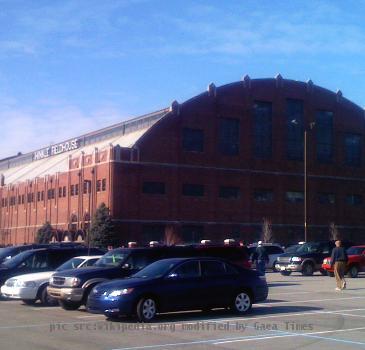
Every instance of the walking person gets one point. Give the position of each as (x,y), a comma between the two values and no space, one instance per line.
(260,257)
(339,261)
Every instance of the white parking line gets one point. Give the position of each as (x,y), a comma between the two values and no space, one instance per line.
(308,301)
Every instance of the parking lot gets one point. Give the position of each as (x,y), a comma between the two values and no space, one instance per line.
(301,312)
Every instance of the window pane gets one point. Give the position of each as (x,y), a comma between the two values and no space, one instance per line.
(353,149)
(326,198)
(153,187)
(192,233)
(262,130)
(263,195)
(193,140)
(294,197)
(193,190)
(295,130)
(188,270)
(229,136)
(229,192)
(212,268)
(354,199)
(324,128)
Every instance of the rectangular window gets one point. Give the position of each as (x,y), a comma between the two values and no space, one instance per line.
(229,192)
(262,195)
(294,197)
(103,184)
(86,187)
(72,190)
(2,202)
(64,191)
(324,127)
(23,198)
(59,192)
(193,140)
(76,189)
(51,193)
(354,199)
(30,197)
(42,196)
(295,129)
(153,187)
(19,199)
(229,139)
(326,198)
(38,196)
(353,149)
(193,190)
(98,186)
(262,130)
(192,233)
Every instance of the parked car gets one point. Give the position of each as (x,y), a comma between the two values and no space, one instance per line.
(9,252)
(307,259)
(72,288)
(355,264)
(179,284)
(273,250)
(33,286)
(41,260)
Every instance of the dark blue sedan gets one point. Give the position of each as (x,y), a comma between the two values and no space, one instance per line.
(179,284)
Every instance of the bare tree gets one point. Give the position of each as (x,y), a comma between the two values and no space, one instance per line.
(334,233)
(266,234)
(171,236)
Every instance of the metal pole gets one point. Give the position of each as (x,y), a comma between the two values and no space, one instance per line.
(305,185)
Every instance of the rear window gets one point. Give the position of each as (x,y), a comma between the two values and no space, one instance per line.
(213,268)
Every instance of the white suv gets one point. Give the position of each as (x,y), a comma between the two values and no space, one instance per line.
(273,250)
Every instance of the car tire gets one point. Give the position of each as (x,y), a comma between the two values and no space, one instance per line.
(330,274)
(46,299)
(69,305)
(285,273)
(308,269)
(242,302)
(146,309)
(353,271)
(29,301)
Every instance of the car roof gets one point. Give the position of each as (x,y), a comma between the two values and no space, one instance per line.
(177,260)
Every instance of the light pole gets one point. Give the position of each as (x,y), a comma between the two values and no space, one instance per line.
(311,126)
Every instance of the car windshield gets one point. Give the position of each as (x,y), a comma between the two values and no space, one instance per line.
(355,251)
(156,269)
(112,258)
(292,248)
(312,247)
(70,264)
(17,259)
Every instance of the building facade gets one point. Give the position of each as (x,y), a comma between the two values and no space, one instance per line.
(212,167)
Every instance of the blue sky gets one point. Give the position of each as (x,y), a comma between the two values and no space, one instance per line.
(69,67)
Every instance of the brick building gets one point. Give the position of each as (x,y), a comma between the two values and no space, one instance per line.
(212,167)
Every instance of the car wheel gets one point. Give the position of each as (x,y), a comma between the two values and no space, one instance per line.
(308,269)
(146,309)
(353,271)
(330,274)
(69,305)
(46,299)
(242,302)
(29,301)
(285,273)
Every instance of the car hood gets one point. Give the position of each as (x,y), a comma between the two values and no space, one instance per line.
(124,283)
(35,277)
(85,272)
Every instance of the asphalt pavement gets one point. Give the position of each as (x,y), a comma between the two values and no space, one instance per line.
(301,312)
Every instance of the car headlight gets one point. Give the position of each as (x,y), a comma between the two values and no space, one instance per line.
(72,281)
(26,284)
(296,258)
(119,292)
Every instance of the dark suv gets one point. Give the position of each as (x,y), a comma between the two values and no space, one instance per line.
(40,260)
(72,287)
(307,259)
